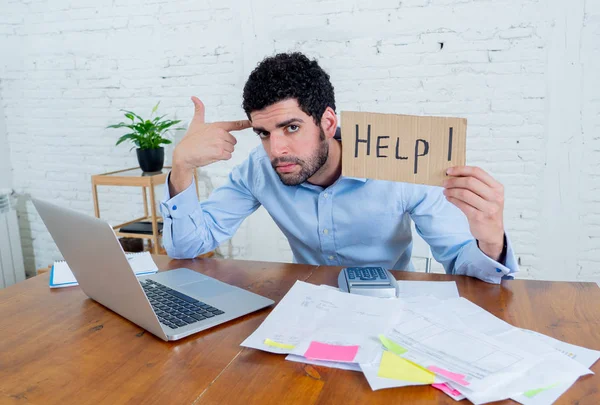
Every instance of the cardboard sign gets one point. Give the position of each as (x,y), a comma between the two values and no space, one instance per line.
(403,148)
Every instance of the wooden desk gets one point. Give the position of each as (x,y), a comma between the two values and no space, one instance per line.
(59,347)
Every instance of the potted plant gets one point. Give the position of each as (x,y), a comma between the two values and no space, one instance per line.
(147,136)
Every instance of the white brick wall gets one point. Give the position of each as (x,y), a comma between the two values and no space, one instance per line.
(524,73)
(5,166)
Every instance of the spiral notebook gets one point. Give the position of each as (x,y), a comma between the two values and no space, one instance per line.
(62,276)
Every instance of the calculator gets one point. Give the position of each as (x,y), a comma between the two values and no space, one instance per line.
(371,281)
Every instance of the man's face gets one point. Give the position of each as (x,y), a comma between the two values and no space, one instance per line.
(296,146)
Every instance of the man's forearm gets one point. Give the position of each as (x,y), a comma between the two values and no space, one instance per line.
(180,179)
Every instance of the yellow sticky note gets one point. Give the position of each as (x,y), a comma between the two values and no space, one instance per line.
(397,368)
(392,346)
(272,343)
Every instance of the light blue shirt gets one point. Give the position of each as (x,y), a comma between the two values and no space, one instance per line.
(353,222)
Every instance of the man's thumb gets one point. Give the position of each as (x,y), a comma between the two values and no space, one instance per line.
(198,109)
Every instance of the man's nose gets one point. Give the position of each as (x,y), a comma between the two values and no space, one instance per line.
(279,145)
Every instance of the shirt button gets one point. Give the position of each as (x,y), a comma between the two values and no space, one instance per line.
(174,208)
(325,231)
(499,270)
(331,257)
(325,195)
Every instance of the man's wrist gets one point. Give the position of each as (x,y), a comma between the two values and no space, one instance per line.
(495,251)
(180,179)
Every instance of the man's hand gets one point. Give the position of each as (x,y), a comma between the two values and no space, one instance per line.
(202,145)
(481,199)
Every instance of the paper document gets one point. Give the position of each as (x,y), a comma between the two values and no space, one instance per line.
(552,375)
(472,316)
(586,357)
(439,289)
(62,276)
(548,394)
(422,339)
(331,364)
(479,319)
(324,323)
(549,373)
(409,289)
(462,355)
(544,395)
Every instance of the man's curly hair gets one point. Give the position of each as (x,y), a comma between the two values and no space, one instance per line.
(289,76)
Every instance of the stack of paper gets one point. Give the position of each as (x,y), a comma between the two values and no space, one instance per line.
(435,338)
(62,276)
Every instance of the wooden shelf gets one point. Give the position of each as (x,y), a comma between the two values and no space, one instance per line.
(135,177)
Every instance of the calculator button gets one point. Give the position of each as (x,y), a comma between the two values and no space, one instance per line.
(367,276)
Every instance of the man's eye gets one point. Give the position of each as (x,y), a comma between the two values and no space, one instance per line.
(293,128)
(262,135)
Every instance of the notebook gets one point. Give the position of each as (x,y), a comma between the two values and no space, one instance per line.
(62,276)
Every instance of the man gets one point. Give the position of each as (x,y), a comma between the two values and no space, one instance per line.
(327,218)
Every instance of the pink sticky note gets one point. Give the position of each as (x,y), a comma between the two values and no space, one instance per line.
(457,378)
(448,390)
(324,351)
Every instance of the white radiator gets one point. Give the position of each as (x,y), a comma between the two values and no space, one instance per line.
(12,269)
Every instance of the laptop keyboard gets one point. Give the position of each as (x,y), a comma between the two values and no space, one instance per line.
(175,309)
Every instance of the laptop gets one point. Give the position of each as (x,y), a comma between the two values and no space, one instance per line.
(171,304)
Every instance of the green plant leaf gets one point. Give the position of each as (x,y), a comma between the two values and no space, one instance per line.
(155,107)
(167,124)
(132,136)
(147,133)
(134,114)
(119,125)
(157,119)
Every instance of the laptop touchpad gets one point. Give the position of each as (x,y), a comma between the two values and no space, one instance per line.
(205,289)
(181,277)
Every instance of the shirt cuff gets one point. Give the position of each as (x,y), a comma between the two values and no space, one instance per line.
(182,205)
(487,269)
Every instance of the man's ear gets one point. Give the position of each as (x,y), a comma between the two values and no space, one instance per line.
(329,122)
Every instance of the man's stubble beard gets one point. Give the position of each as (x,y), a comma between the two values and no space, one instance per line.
(308,167)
